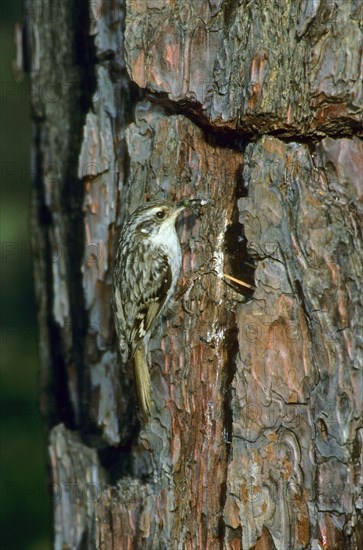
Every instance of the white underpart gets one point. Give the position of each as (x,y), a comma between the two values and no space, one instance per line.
(167,239)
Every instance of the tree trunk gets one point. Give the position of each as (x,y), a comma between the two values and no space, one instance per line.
(256,437)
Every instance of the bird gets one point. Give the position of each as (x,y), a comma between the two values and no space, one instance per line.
(146,271)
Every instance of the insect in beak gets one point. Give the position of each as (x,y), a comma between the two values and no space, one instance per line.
(194,204)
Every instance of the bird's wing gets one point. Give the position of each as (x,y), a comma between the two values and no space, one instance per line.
(154,296)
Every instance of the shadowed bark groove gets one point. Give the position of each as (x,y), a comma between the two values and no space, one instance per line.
(256,437)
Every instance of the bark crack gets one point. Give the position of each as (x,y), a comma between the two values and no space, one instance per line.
(237,138)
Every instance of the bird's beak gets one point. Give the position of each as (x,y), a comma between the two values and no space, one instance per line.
(177,209)
(188,203)
(182,205)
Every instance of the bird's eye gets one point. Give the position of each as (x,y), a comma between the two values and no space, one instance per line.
(160,214)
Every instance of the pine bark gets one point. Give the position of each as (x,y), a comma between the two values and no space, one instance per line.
(256,436)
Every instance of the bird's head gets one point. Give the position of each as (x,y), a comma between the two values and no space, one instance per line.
(156,217)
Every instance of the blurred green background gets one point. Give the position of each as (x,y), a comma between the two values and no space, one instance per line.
(25,508)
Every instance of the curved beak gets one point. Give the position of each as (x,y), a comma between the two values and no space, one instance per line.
(189,203)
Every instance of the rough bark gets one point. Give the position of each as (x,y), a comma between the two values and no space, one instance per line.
(256,439)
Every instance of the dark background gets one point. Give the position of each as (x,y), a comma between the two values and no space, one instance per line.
(25,507)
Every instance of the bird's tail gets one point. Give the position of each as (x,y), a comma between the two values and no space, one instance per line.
(143,381)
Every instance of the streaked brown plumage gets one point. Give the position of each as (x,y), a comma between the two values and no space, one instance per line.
(147,267)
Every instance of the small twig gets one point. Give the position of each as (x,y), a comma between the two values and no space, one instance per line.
(238,281)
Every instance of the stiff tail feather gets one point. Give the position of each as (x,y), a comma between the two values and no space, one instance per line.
(143,382)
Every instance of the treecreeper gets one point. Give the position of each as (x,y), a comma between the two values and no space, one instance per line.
(147,267)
